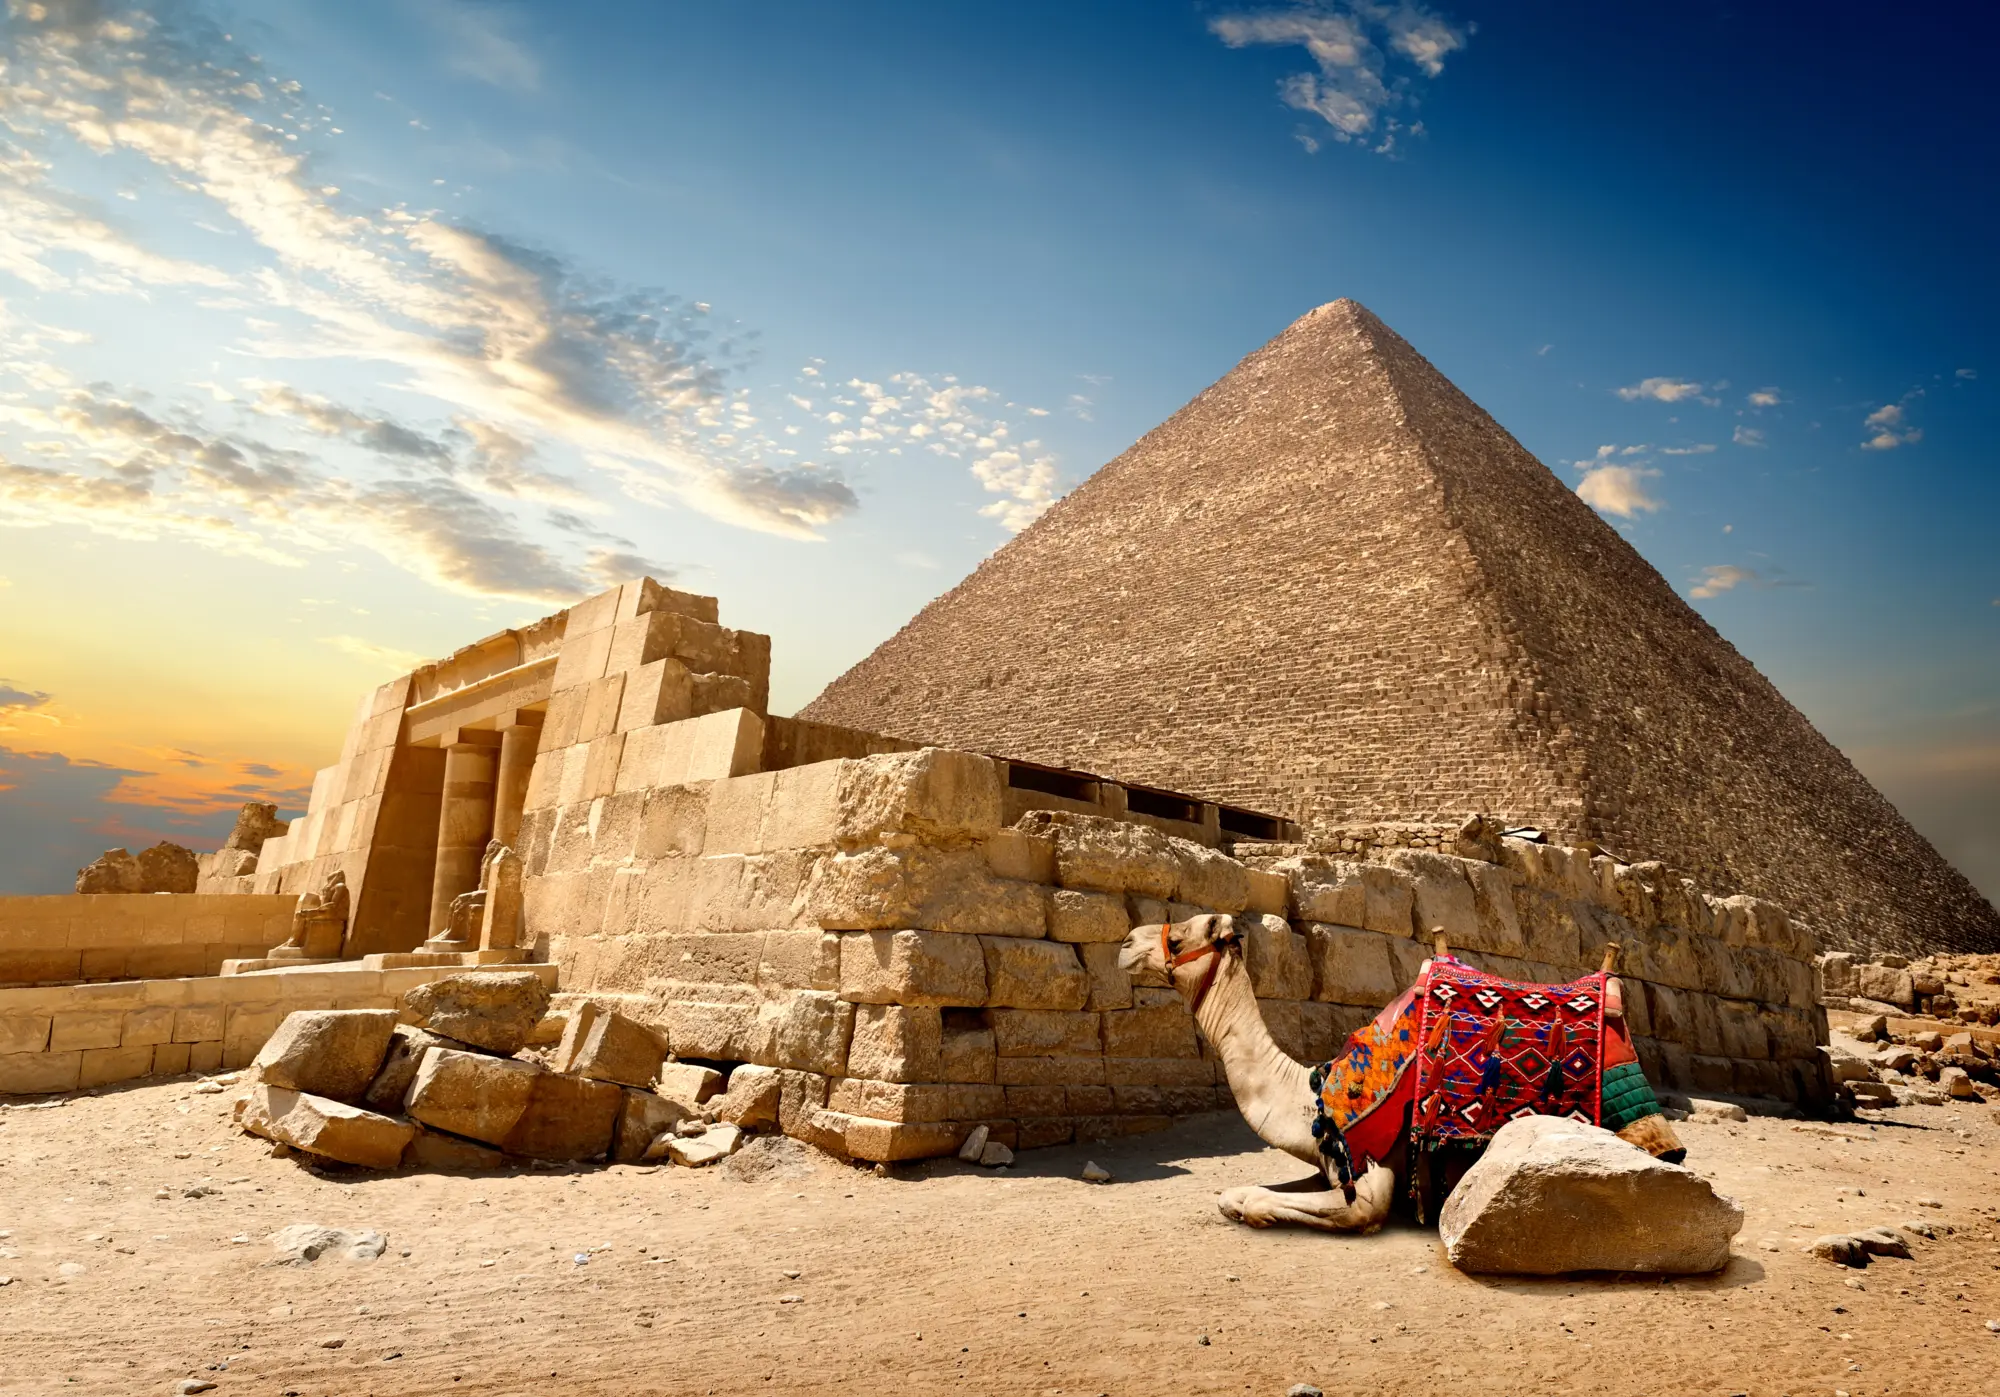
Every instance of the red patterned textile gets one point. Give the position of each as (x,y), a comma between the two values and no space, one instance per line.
(1493,1049)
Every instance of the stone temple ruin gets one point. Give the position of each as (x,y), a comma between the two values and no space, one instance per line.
(917,941)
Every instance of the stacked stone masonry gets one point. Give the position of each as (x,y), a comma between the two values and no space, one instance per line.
(69,1037)
(1332,587)
(914,968)
(114,936)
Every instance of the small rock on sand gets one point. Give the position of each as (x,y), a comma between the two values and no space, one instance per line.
(1095,1173)
(303,1243)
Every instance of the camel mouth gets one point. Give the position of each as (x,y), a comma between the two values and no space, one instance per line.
(1137,959)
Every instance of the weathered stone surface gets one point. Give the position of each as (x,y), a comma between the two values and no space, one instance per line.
(688,1082)
(492,1009)
(806,1029)
(471,1094)
(1444,896)
(608,1047)
(1034,974)
(1279,962)
(320,1126)
(642,1117)
(113,871)
(938,795)
(1366,895)
(1105,855)
(1045,1032)
(256,822)
(1551,1196)
(1209,879)
(1351,966)
(433,1153)
(752,1099)
(1838,1248)
(715,1143)
(1078,916)
(897,1043)
(399,1068)
(567,1117)
(949,890)
(968,1052)
(912,967)
(328,1052)
(168,868)
(1888,984)
(303,1243)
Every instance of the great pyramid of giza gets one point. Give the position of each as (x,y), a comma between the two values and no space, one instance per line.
(1331,586)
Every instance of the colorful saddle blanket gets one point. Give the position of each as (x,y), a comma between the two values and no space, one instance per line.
(1462,1052)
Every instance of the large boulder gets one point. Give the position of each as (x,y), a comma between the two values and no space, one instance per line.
(323,1127)
(1551,1196)
(113,871)
(470,1094)
(492,1009)
(168,868)
(256,822)
(328,1052)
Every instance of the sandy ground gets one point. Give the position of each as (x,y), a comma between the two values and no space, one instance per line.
(941,1277)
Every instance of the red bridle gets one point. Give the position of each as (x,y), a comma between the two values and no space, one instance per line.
(1175,962)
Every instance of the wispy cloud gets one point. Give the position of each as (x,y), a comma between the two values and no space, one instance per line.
(514,351)
(1765,397)
(1702,448)
(1966,374)
(15,699)
(1618,490)
(484,42)
(1747,436)
(385,658)
(1664,390)
(1725,577)
(1353,44)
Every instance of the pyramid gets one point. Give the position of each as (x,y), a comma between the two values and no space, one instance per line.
(1332,587)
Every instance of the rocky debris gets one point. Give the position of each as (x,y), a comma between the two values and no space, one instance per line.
(995,1155)
(391,1086)
(1838,1248)
(1950,988)
(643,1117)
(1551,1196)
(303,1243)
(1958,1084)
(1716,1111)
(608,1047)
(494,1010)
(330,1129)
(256,822)
(1095,1173)
(113,871)
(328,1052)
(434,1152)
(713,1143)
(186,1387)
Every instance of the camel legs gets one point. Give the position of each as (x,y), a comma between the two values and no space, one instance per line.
(1302,1206)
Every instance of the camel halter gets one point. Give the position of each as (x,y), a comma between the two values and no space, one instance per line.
(1175,962)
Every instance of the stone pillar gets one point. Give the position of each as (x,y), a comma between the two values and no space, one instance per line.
(518,742)
(465,822)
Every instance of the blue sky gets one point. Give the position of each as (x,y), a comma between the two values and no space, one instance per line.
(337,335)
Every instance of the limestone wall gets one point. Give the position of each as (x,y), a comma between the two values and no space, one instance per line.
(63,1038)
(113,936)
(868,926)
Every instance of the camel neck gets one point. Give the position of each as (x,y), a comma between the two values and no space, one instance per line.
(1270,1086)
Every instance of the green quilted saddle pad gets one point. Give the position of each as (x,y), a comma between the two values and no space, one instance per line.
(1627,1097)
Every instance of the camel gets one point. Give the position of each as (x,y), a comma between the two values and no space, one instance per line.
(1279,1096)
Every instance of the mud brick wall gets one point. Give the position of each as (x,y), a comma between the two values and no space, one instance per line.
(121,936)
(915,969)
(68,1037)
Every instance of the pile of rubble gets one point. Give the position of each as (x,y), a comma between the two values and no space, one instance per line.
(1902,1062)
(164,868)
(1959,988)
(475,1072)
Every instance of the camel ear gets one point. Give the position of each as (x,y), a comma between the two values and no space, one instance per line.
(1227,933)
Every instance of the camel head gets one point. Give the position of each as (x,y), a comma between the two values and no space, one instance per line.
(1147,957)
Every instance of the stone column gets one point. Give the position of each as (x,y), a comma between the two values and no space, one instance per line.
(465,822)
(518,742)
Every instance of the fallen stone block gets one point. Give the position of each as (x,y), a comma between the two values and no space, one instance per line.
(1838,1248)
(1551,1196)
(323,1127)
(1958,1084)
(694,1151)
(975,1144)
(1883,1241)
(993,1155)
(303,1243)
(688,1082)
(399,1068)
(433,1152)
(470,1094)
(752,1098)
(608,1047)
(493,1010)
(567,1117)
(328,1052)
(644,1116)
(168,868)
